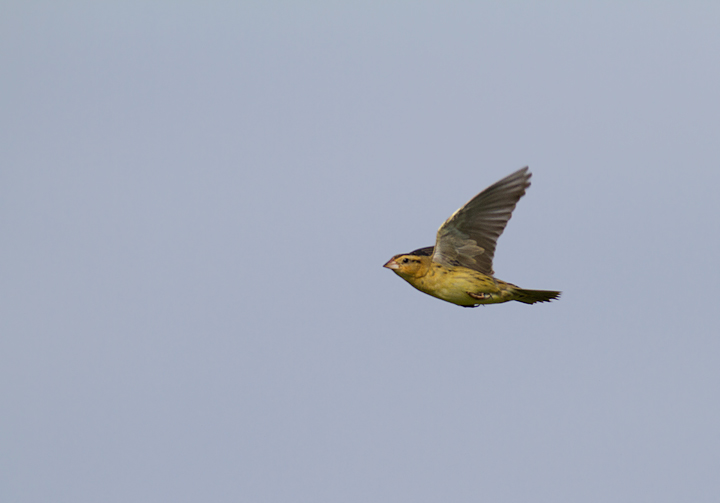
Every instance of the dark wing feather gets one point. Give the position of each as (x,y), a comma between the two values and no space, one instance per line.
(469,236)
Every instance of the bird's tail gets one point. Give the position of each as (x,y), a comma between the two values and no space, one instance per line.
(533,296)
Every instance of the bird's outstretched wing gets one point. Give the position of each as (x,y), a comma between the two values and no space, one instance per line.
(469,236)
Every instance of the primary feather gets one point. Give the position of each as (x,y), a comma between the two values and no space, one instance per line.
(469,236)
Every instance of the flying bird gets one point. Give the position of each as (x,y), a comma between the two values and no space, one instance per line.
(458,269)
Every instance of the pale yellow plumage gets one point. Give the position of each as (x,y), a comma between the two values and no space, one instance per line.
(458,269)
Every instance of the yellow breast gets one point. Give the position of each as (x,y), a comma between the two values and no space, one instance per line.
(452,284)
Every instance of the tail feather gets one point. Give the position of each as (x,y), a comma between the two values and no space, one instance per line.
(533,296)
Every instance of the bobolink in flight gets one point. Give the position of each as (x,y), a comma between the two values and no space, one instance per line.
(458,268)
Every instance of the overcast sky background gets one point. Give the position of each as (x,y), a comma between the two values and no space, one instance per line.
(196,203)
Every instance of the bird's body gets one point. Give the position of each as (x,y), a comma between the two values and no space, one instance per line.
(458,269)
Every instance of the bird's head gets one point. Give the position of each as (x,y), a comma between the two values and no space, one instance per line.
(407,265)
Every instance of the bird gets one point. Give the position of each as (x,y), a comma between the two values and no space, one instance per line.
(459,268)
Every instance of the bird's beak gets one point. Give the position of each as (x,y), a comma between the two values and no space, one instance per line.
(391,264)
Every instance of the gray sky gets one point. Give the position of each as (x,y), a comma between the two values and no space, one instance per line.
(196,203)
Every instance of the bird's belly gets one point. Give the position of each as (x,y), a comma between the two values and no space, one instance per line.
(453,285)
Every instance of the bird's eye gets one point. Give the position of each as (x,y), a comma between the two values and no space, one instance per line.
(405,260)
